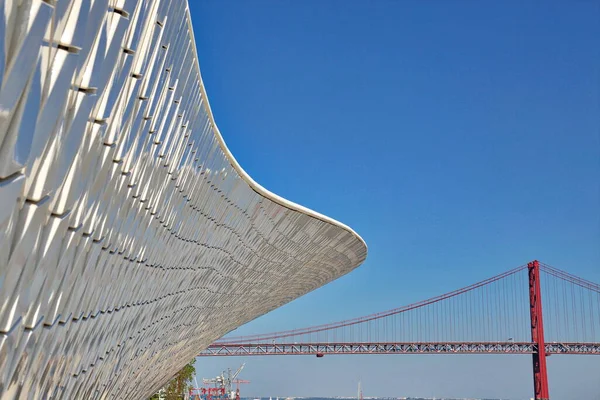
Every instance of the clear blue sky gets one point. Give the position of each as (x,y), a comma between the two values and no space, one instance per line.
(459,138)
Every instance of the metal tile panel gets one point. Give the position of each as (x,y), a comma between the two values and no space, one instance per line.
(130,238)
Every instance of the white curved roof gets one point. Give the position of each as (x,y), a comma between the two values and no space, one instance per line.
(130,238)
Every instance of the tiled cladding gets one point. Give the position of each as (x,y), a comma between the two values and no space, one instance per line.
(130,238)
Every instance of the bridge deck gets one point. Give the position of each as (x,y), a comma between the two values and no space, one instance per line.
(266,349)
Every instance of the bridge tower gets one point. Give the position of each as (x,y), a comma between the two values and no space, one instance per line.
(540,373)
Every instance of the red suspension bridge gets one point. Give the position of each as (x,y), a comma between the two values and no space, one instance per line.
(505,314)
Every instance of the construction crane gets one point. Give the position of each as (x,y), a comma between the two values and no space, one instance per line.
(231,378)
(223,384)
(237,383)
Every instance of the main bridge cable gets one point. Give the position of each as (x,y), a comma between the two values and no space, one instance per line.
(371,317)
(579,305)
(570,278)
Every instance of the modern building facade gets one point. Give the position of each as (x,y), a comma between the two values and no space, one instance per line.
(130,238)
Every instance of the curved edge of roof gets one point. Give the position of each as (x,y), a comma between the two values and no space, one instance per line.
(243,174)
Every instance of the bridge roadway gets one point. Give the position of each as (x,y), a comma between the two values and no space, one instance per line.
(321,349)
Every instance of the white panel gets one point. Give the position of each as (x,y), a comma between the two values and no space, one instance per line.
(130,238)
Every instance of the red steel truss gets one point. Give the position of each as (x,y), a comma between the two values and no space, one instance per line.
(319,349)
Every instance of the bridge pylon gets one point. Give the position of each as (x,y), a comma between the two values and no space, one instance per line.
(540,373)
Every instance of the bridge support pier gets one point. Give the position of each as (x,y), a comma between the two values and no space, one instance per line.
(540,374)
